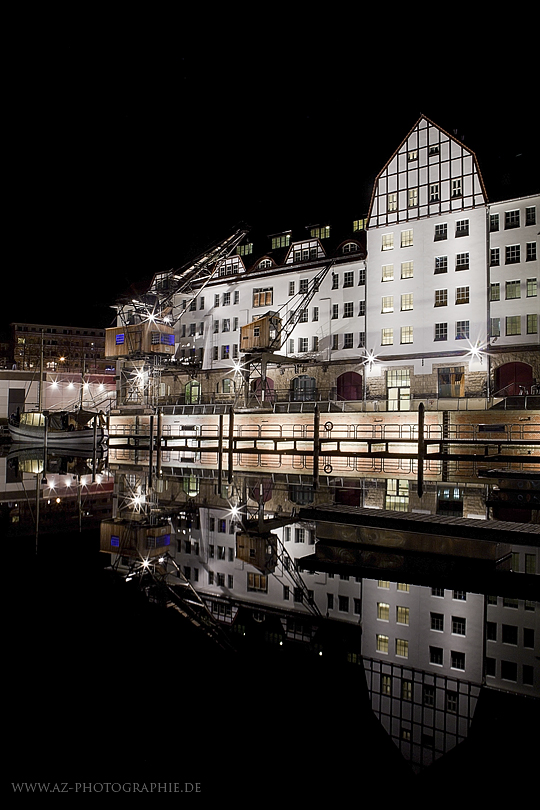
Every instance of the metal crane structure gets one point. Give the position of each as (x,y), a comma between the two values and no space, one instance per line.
(143,340)
(257,358)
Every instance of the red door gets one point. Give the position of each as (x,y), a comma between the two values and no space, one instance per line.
(513,379)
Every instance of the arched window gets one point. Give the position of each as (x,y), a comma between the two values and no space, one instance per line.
(349,386)
(192,392)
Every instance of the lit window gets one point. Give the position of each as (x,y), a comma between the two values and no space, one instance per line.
(407,269)
(406,238)
(402,647)
(388,241)
(383,611)
(392,202)
(402,615)
(441,298)
(532,323)
(382,643)
(495,292)
(462,295)
(412,154)
(406,334)
(387,303)
(387,337)
(281,241)
(513,325)
(513,289)
(262,297)
(388,272)
(320,232)
(413,197)
(406,301)
(386,685)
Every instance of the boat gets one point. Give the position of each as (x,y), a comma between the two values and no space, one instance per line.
(78,428)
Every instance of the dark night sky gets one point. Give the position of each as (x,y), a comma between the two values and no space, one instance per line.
(128,156)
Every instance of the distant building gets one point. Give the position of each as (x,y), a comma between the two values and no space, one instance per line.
(67,349)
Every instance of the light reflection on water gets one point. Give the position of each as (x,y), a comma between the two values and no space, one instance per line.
(434,634)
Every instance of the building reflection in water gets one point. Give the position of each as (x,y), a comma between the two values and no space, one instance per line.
(429,603)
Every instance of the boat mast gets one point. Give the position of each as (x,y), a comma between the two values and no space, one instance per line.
(40,383)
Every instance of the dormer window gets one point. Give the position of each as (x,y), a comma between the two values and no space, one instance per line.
(320,232)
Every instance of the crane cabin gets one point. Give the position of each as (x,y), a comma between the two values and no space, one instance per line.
(145,338)
(262,334)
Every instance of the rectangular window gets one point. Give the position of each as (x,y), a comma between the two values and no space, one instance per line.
(531,252)
(348,340)
(392,202)
(513,325)
(387,304)
(335,281)
(511,219)
(441,264)
(348,279)
(361,308)
(388,272)
(216,300)
(303,344)
(335,342)
(441,331)
(388,241)
(456,188)
(437,621)
(402,647)
(402,615)
(441,298)
(386,685)
(433,192)
(532,288)
(530,215)
(462,330)
(382,643)
(436,656)
(315,343)
(315,314)
(457,660)
(406,334)
(226,299)
(281,241)
(291,287)
(406,238)
(495,292)
(441,232)
(462,295)
(262,297)
(237,296)
(383,611)
(407,269)
(413,197)
(226,325)
(495,327)
(512,254)
(532,323)
(335,311)
(462,261)
(387,337)
(304,282)
(494,257)
(462,227)
(303,316)
(406,301)
(458,626)
(348,309)
(513,289)
(493,223)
